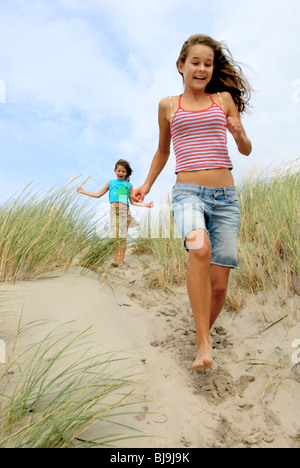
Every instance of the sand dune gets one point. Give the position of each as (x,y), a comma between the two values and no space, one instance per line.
(249,398)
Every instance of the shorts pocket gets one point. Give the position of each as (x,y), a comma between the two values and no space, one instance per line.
(179,195)
(233,199)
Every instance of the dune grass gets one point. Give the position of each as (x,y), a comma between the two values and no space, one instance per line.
(268,242)
(51,393)
(269,247)
(41,232)
(163,242)
(270,226)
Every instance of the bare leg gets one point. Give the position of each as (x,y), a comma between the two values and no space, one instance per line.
(117,252)
(219,277)
(199,290)
(123,245)
(123,232)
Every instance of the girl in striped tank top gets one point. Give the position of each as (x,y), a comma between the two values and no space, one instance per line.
(205,204)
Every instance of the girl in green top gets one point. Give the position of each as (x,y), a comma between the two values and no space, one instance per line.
(120,191)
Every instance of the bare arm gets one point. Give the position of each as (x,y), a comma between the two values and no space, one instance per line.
(92,194)
(162,154)
(147,205)
(134,203)
(235,126)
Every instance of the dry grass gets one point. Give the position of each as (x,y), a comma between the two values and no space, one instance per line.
(268,242)
(269,245)
(167,249)
(41,232)
(48,402)
(52,403)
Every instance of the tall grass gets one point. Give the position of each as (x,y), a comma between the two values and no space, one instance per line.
(63,388)
(165,245)
(40,232)
(270,226)
(268,242)
(61,393)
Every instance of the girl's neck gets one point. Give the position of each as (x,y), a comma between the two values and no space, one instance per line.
(191,95)
(195,101)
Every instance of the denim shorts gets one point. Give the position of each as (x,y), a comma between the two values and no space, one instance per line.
(217,211)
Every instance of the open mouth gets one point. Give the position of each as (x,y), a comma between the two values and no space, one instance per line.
(200,78)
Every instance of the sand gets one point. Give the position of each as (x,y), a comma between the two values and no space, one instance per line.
(250,398)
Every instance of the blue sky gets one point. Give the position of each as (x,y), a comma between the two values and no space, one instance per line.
(80,83)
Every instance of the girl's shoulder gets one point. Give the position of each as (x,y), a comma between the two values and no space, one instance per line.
(112,183)
(168,107)
(167,101)
(225,95)
(225,100)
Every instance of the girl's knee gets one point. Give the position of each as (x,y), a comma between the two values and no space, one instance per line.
(219,280)
(199,246)
(219,289)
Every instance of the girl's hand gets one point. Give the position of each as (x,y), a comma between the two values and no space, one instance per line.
(235,127)
(150,205)
(139,194)
(80,190)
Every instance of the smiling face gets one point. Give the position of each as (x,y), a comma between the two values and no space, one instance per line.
(121,172)
(197,70)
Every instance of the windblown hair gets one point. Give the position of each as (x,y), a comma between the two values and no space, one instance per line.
(126,165)
(227,75)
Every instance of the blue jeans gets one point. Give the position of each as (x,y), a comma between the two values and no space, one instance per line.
(215,210)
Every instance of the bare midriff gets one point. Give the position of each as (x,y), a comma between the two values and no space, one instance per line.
(119,204)
(207,178)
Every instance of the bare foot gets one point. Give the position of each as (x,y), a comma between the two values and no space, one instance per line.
(204,358)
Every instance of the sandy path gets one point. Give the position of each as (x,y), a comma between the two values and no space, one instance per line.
(234,404)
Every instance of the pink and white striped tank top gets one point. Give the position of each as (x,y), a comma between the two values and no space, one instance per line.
(200,139)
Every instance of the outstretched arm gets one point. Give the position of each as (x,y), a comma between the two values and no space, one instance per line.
(92,194)
(162,154)
(134,203)
(147,205)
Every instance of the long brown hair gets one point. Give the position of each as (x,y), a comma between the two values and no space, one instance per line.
(126,165)
(227,75)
